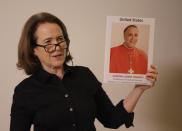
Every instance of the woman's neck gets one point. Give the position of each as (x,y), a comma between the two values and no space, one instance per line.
(58,71)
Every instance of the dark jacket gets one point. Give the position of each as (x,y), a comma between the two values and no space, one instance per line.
(70,104)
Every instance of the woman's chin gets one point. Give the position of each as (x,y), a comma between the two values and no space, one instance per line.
(58,64)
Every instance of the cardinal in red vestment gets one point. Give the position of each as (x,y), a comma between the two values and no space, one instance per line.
(126,58)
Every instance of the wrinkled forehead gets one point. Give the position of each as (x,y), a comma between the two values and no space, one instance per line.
(48,30)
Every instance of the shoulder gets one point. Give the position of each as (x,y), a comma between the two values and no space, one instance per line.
(22,91)
(83,72)
(80,69)
(115,48)
(141,52)
(143,56)
(23,86)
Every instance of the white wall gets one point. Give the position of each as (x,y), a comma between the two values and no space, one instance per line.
(160,108)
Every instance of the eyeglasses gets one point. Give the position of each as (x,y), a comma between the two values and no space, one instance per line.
(49,48)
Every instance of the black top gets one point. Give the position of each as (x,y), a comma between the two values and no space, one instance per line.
(70,104)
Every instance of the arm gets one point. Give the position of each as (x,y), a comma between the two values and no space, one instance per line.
(21,115)
(133,97)
(109,115)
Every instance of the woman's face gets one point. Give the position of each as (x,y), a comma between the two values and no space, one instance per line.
(131,37)
(50,33)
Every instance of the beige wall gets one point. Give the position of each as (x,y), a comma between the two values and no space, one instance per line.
(160,108)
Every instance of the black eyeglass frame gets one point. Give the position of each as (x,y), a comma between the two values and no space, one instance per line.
(55,45)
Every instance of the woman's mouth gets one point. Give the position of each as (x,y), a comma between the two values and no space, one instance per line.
(59,56)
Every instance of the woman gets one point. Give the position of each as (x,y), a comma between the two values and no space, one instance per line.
(58,97)
(126,58)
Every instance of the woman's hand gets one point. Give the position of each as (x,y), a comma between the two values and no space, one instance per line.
(151,76)
(133,97)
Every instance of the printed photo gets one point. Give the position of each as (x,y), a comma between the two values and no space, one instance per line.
(128,52)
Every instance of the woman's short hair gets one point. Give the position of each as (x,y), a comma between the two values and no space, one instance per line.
(26,58)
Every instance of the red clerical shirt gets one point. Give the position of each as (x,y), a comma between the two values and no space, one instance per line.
(122,59)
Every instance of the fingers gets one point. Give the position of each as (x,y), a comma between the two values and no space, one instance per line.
(151,78)
(152,66)
(153,69)
(152,74)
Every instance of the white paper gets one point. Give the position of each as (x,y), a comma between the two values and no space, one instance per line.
(114,37)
